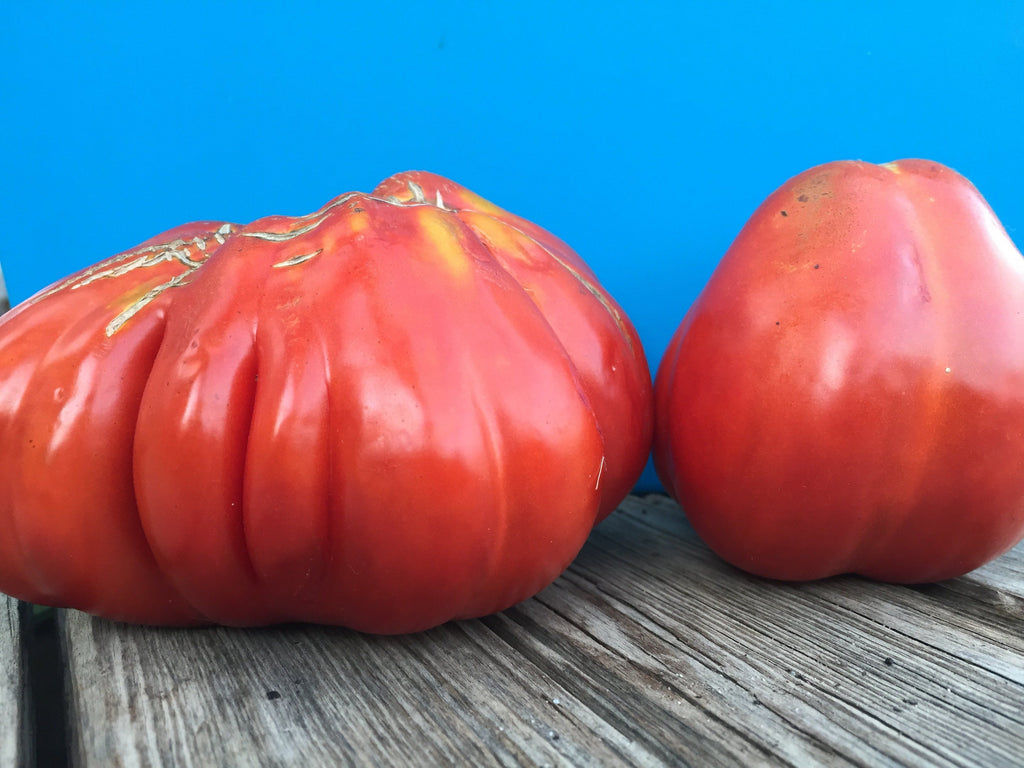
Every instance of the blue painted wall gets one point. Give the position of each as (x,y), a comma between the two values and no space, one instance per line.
(644,134)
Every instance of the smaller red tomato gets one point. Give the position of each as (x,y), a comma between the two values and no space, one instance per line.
(847,392)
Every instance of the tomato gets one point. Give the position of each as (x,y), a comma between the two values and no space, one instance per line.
(847,392)
(407,407)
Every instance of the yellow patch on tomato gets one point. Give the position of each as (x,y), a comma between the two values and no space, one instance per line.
(357,220)
(441,231)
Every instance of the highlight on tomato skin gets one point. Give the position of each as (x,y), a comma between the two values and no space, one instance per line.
(844,396)
(407,407)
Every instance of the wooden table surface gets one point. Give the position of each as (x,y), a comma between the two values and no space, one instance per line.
(648,651)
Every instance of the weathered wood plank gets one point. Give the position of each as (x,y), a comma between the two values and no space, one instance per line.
(894,669)
(649,651)
(318,696)
(13,739)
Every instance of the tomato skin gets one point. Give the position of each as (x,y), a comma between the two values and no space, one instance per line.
(847,392)
(405,408)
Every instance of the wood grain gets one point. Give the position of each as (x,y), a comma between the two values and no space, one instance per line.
(12,685)
(649,651)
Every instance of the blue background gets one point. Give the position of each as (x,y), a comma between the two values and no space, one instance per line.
(643,134)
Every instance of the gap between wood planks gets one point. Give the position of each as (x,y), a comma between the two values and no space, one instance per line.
(45,734)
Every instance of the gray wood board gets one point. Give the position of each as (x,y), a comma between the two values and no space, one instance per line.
(12,685)
(648,651)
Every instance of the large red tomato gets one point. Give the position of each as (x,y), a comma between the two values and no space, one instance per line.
(407,407)
(847,392)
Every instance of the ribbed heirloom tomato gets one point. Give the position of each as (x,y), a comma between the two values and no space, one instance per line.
(847,392)
(407,407)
